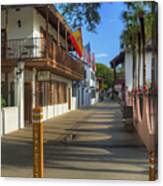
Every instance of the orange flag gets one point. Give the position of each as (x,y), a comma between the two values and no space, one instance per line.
(76,39)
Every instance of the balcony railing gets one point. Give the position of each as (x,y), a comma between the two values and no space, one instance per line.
(38,48)
(25,48)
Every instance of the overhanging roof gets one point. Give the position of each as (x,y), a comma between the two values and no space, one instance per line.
(119,59)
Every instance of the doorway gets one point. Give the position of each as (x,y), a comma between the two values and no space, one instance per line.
(69,98)
(28,103)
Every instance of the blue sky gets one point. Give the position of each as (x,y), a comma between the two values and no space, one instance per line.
(106,42)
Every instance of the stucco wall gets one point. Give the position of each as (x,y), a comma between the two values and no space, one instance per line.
(129,69)
(39,21)
(31,21)
(10,120)
(25,15)
(51,111)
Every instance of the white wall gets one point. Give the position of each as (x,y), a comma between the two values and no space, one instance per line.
(25,15)
(149,66)
(51,111)
(129,69)
(9,119)
(38,21)
(31,21)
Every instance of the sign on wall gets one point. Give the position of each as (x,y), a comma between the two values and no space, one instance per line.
(43,76)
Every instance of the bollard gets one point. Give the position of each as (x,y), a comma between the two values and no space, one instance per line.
(152,166)
(38,163)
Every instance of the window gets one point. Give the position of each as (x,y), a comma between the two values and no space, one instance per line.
(92,76)
(3,43)
(93,93)
(44,93)
(73,91)
(62,92)
(85,74)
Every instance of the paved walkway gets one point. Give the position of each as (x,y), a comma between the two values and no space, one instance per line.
(90,143)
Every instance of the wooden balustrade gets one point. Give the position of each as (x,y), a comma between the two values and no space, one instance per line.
(33,49)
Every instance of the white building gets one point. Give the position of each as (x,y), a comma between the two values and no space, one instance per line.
(84,91)
(37,68)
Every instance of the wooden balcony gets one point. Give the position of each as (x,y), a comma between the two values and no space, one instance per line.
(38,53)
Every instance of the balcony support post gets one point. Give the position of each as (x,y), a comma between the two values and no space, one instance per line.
(6,22)
(47,35)
(66,40)
(34,88)
(58,33)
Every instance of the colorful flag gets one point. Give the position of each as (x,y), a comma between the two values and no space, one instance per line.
(87,53)
(76,39)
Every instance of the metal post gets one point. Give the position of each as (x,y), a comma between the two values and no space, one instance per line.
(152,166)
(38,163)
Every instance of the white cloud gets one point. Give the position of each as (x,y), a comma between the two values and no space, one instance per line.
(101,55)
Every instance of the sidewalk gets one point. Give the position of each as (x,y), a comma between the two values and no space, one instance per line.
(90,143)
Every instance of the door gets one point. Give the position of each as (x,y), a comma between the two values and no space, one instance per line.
(69,98)
(28,103)
(3,43)
(78,98)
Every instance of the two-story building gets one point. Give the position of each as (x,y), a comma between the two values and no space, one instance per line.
(38,68)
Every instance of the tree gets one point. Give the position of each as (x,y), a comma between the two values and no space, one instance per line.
(132,34)
(79,14)
(106,73)
(120,71)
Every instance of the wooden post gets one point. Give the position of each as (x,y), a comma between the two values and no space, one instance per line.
(38,163)
(7,87)
(6,33)
(152,166)
(47,33)
(66,40)
(58,33)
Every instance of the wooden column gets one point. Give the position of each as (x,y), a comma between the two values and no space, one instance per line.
(6,32)
(66,40)
(7,88)
(58,33)
(47,33)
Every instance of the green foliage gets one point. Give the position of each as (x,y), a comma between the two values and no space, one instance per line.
(3,102)
(120,71)
(132,27)
(79,14)
(106,73)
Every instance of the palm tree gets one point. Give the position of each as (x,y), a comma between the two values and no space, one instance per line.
(136,34)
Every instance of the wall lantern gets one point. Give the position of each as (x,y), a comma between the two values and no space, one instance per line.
(20,69)
(19,23)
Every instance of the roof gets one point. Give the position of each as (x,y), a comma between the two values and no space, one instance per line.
(119,59)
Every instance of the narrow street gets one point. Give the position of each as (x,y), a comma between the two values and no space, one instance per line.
(89,143)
